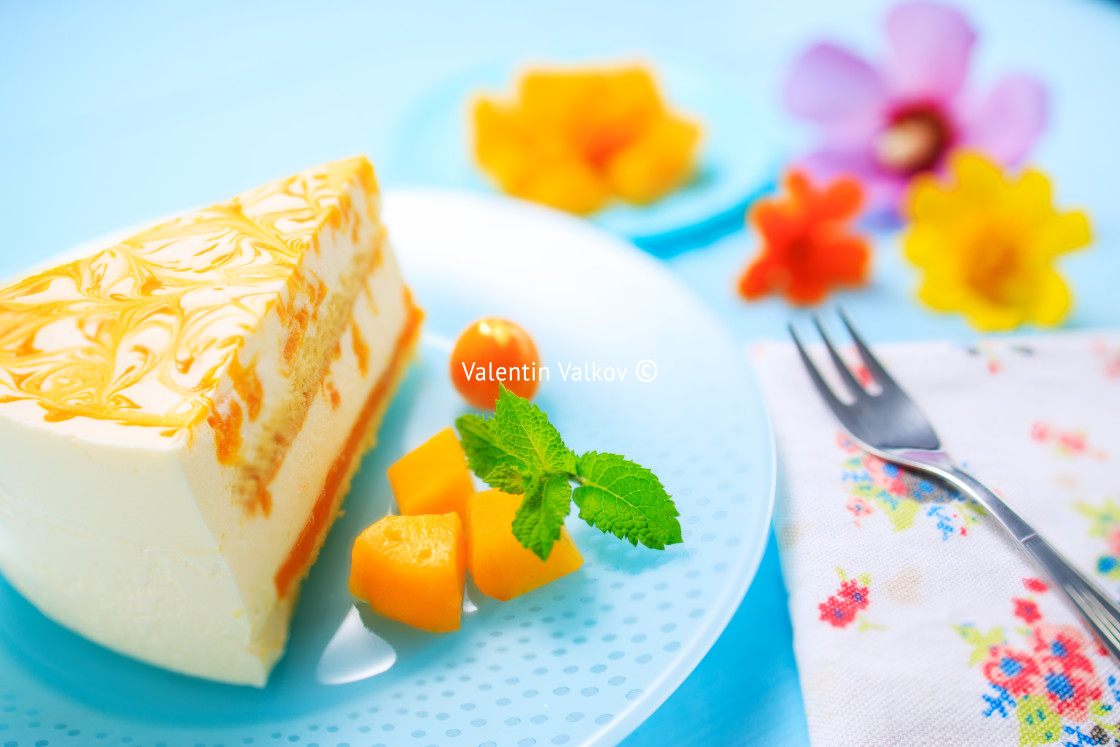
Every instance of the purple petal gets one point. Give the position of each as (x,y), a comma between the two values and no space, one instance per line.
(1008,120)
(883,190)
(827,164)
(831,86)
(930,46)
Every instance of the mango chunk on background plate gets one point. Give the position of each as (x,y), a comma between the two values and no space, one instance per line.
(433,478)
(576,138)
(500,566)
(412,569)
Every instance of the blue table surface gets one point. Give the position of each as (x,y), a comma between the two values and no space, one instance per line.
(113,113)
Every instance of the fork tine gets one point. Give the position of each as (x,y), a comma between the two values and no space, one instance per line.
(854,387)
(830,399)
(878,373)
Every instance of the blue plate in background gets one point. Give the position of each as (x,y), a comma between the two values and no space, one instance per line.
(741,154)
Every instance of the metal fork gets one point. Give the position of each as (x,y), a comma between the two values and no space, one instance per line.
(890,426)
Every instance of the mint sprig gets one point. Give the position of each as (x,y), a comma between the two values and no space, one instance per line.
(541,514)
(521,452)
(625,499)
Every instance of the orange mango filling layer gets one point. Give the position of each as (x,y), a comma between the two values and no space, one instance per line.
(310,540)
(577,139)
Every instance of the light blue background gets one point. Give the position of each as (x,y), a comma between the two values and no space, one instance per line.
(113,113)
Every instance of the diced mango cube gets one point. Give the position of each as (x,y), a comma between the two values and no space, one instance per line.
(433,478)
(412,569)
(501,567)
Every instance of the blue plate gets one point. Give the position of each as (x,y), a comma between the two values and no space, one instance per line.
(582,660)
(741,154)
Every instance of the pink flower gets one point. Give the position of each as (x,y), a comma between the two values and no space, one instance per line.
(838,611)
(1114,541)
(1035,585)
(855,593)
(1026,610)
(1072,442)
(841,608)
(846,444)
(1061,645)
(885,125)
(859,508)
(1112,366)
(1015,671)
(1070,691)
(863,374)
(886,476)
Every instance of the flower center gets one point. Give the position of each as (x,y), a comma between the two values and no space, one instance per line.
(993,269)
(800,249)
(1060,686)
(1010,667)
(914,140)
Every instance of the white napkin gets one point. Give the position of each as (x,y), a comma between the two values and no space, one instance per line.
(916,619)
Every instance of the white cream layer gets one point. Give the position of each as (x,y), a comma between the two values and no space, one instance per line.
(134,541)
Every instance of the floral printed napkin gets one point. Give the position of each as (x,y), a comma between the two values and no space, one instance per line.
(916,619)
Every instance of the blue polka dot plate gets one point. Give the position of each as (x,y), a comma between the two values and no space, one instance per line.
(580,661)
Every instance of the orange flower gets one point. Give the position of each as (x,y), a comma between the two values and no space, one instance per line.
(576,139)
(807,246)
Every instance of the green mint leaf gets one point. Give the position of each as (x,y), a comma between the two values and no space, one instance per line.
(520,452)
(524,432)
(480,443)
(626,500)
(540,516)
(488,459)
(507,477)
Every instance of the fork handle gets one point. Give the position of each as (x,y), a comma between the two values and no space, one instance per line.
(1096,608)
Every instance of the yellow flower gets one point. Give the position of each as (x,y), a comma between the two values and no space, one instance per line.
(987,242)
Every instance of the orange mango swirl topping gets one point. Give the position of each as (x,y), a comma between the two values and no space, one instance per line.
(140,333)
(579,138)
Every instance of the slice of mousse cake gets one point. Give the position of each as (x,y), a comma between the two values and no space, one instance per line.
(181,414)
